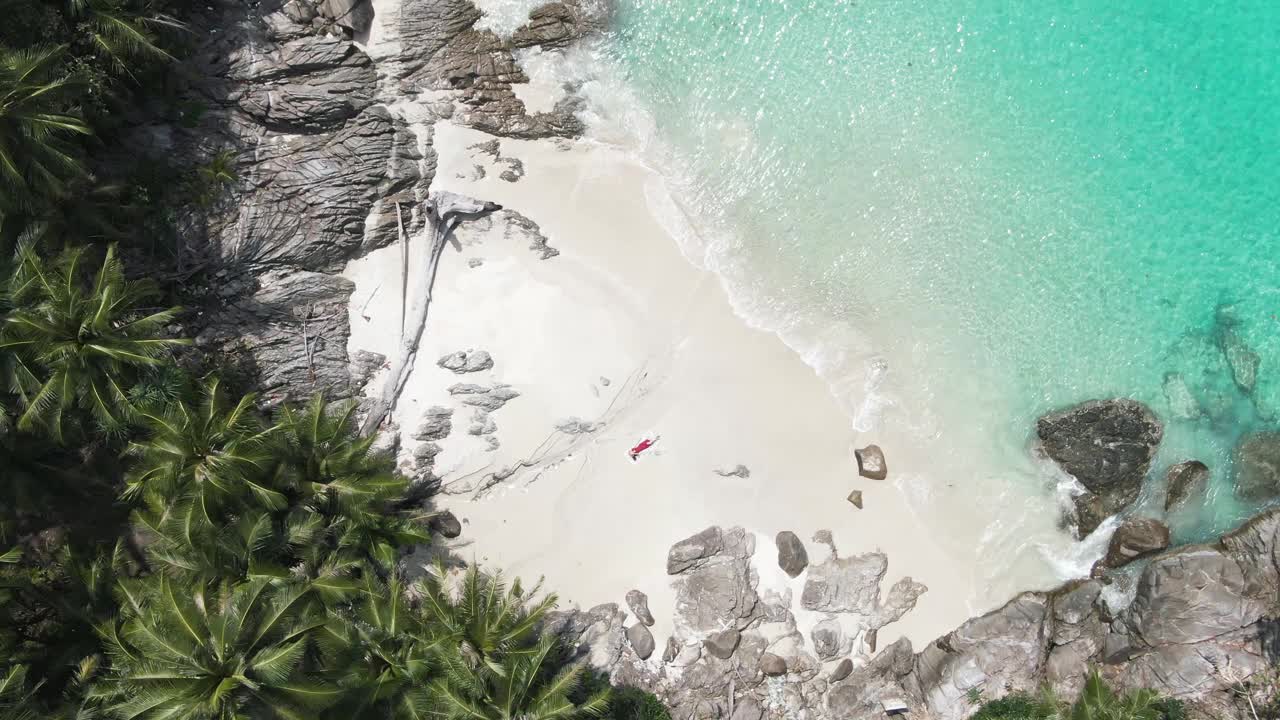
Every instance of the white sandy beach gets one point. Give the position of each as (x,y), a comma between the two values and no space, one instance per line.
(621,305)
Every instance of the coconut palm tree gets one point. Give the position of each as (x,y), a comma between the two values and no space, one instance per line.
(493,663)
(120,32)
(214,453)
(335,474)
(79,342)
(220,653)
(17,698)
(383,653)
(37,120)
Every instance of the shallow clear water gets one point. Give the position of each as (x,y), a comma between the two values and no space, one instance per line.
(967,213)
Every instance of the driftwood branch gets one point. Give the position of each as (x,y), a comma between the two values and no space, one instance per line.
(445,211)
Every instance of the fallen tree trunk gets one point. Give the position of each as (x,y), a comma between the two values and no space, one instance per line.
(445,211)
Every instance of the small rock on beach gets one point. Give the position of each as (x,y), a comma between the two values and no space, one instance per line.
(871,462)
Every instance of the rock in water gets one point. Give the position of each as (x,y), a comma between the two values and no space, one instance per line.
(1136,538)
(792,557)
(694,551)
(445,524)
(871,462)
(1258,467)
(1185,480)
(1107,445)
(855,498)
(639,604)
(772,665)
(842,670)
(641,640)
(723,643)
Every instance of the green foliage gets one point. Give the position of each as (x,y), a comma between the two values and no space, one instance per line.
(78,342)
(37,120)
(214,177)
(227,651)
(493,664)
(629,703)
(1096,702)
(17,699)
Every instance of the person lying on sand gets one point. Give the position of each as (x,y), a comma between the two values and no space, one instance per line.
(645,444)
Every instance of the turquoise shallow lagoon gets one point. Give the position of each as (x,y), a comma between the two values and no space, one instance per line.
(967,213)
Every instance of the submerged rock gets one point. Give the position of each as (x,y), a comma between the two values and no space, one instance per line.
(1136,538)
(871,462)
(1106,445)
(792,557)
(1257,461)
(1185,480)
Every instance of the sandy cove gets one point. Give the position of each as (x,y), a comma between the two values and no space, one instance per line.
(620,305)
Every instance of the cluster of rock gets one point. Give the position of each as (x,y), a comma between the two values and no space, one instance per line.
(1197,623)
(1108,446)
(734,652)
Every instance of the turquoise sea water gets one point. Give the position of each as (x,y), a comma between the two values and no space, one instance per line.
(1011,206)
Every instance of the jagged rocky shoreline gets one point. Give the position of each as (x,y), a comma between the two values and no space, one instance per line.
(324,157)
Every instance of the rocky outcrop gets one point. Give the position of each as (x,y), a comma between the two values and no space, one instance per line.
(1196,622)
(1257,461)
(477,68)
(1106,445)
(1134,539)
(694,550)
(1184,481)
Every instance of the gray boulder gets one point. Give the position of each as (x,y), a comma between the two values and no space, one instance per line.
(639,604)
(445,524)
(1257,460)
(1136,538)
(694,550)
(722,589)
(723,643)
(828,639)
(1193,596)
(855,499)
(747,708)
(842,670)
(437,422)
(595,636)
(466,361)
(641,640)
(792,557)
(871,463)
(1107,445)
(772,665)
(846,585)
(1185,480)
